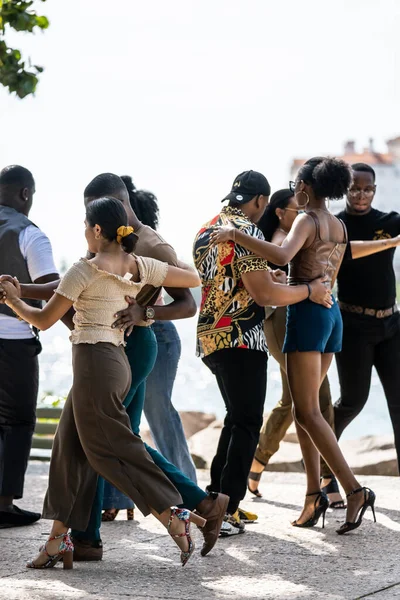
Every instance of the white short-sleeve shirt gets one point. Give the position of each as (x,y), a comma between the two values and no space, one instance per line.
(36,249)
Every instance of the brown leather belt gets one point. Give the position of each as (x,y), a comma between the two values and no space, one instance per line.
(370,312)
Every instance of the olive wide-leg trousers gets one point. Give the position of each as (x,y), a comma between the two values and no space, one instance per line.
(94,437)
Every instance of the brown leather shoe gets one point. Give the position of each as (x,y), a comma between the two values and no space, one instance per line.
(87,550)
(212,508)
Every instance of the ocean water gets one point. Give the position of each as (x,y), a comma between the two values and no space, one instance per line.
(195,387)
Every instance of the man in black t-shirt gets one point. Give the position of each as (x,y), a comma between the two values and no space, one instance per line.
(367,298)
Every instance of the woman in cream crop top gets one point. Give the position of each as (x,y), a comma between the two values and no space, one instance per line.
(97,287)
(98,295)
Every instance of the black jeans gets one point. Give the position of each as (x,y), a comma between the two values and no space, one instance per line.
(19,381)
(368,342)
(242,379)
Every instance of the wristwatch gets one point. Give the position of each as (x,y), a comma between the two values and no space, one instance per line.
(149,313)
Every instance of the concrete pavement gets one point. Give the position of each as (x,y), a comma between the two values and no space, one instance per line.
(272,560)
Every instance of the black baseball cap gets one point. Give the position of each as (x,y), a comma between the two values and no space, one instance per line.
(247,185)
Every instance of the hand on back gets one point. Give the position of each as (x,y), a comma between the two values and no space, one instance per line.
(320,294)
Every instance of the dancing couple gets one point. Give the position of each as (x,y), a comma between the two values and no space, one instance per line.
(94,435)
(314,247)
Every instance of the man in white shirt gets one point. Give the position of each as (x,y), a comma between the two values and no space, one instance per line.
(25,252)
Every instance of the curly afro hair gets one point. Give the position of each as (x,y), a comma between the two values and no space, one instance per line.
(328,177)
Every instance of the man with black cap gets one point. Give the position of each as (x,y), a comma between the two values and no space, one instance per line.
(236,286)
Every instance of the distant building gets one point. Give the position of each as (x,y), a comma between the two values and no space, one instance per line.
(386,167)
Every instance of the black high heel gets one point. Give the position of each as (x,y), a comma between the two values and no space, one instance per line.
(369,502)
(319,510)
(255,477)
(333,488)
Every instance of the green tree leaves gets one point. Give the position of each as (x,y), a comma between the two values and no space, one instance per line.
(20,78)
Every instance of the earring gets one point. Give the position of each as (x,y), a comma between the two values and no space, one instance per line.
(307,201)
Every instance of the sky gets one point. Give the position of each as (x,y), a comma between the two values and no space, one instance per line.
(183,95)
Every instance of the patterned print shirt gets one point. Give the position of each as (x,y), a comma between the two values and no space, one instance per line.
(229,317)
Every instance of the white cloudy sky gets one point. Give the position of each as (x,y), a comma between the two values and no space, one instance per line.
(185,94)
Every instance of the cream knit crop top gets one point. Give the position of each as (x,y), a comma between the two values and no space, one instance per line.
(98,295)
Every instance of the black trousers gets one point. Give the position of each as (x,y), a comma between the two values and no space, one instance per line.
(242,379)
(19,381)
(368,342)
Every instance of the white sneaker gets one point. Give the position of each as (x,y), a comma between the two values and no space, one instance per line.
(231,525)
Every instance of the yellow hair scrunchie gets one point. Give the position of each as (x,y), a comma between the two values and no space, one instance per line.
(123,232)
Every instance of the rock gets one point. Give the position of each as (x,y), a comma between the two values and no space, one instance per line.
(204,443)
(287,459)
(369,455)
(192,422)
(199,461)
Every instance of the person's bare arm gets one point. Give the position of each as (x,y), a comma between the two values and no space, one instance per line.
(34,291)
(42,318)
(185,266)
(183,306)
(45,291)
(51,282)
(359,248)
(181,278)
(303,228)
(265,292)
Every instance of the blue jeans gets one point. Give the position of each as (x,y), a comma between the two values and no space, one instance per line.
(163,419)
(141,350)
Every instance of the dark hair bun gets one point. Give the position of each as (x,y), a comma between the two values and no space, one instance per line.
(331,178)
(129,242)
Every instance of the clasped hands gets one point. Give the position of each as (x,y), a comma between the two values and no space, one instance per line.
(10,288)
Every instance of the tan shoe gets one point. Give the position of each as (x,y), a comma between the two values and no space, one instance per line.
(213,509)
(87,550)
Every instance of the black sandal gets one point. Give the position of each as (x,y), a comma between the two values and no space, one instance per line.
(333,488)
(321,505)
(369,502)
(255,477)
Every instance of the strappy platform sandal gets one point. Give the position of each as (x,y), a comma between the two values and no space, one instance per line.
(253,476)
(333,488)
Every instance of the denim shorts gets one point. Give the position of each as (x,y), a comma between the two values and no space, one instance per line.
(311,327)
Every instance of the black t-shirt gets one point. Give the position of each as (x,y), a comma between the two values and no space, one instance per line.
(370,281)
